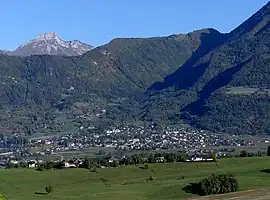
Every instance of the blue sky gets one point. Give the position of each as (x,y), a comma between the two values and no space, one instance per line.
(98,21)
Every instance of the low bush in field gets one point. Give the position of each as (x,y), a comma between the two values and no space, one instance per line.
(215,184)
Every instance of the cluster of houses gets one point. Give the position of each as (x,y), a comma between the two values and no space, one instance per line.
(138,138)
(120,138)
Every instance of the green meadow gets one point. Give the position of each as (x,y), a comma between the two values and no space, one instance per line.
(129,182)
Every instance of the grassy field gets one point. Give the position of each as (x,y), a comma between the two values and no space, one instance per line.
(129,182)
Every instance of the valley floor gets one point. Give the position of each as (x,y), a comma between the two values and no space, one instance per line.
(130,182)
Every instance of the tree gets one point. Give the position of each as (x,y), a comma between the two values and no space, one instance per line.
(268,151)
(22,165)
(137,159)
(181,157)
(10,165)
(170,157)
(243,154)
(49,165)
(49,189)
(40,167)
(151,159)
(214,157)
(88,164)
(113,164)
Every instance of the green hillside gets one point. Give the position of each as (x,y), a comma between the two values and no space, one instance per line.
(129,182)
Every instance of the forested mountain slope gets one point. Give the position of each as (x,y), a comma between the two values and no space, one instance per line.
(32,88)
(227,89)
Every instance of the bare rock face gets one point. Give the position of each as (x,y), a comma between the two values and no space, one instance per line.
(50,44)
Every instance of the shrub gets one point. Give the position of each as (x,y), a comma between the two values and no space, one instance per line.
(40,168)
(59,165)
(215,184)
(94,169)
(146,166)
(49,165)
(49,189)
(88,164)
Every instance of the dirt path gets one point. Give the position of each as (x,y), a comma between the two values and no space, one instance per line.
(243,195)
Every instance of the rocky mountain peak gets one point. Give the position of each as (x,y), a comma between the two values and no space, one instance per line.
(47,36)
(50,43)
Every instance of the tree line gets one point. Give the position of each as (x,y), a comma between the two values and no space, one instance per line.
(136,159)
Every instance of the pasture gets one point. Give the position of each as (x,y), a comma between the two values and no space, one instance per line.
(130,182)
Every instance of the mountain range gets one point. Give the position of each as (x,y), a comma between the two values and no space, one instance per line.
(216,81)
(50,44)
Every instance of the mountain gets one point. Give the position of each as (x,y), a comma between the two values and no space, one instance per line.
(224,87)
(214,81)
(3,52)
(51,44)
(35,89)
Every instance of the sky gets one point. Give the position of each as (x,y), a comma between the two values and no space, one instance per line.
(96,22)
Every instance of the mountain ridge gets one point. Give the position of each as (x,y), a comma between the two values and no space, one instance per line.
(231,63)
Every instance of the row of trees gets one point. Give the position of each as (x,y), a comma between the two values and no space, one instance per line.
(253,154)
(108,161)
(18,165)
(215,184)
(136,159)
(40,167)
(50,165)
(154,158)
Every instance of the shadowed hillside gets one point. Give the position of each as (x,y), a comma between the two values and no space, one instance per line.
(239,59)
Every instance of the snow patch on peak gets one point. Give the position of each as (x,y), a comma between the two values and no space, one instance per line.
(50,43)
(47,36)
